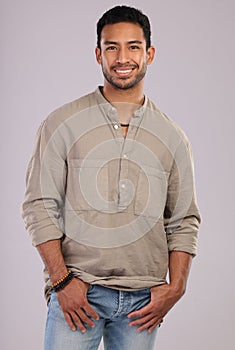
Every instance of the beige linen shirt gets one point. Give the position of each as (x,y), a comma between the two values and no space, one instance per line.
(119,205)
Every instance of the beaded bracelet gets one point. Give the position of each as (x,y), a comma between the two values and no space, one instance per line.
(60,284)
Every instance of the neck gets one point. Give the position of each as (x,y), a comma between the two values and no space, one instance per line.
(133,95)
(126,102)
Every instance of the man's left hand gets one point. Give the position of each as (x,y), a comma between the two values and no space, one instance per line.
(163,298)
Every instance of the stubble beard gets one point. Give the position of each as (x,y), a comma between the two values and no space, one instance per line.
(120,83)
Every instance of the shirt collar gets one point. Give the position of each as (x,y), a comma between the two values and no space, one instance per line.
(110,110)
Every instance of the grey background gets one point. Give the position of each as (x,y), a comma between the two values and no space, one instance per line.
(47,59)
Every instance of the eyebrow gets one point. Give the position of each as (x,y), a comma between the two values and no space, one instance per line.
(110,42)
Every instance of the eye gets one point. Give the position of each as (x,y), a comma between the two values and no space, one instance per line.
(134,47)
(111,48)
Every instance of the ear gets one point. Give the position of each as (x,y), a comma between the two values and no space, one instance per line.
(150,54)
(98,54)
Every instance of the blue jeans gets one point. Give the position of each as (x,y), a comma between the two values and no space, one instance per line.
(112,306)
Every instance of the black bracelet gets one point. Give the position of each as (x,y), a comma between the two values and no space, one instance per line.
(63,283)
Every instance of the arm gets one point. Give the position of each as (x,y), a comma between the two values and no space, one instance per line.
(181,218)
(164,297)
(42,213)
(72,298)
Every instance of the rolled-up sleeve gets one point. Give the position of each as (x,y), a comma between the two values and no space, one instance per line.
(181,216)
(42,209)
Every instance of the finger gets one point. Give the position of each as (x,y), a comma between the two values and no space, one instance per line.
(141,320)
(90,311)
(85,319)
(70,322)
(153,322)
(76,320)
(151,329)
(141,312)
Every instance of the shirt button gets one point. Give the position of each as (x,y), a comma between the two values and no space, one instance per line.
(125,156)
(116,126)
(123,186)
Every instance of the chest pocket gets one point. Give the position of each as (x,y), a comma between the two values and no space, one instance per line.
(87,184)
(151,192)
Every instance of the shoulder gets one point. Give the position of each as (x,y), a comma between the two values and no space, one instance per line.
(167,123)
(61,114)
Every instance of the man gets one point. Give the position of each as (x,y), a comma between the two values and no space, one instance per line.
(110,202)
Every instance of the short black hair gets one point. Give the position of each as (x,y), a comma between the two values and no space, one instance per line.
(124,13)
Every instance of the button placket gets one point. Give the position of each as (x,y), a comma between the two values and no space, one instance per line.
(124,186)
(118,131)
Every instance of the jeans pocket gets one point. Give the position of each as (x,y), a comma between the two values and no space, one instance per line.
(90,289)
(140,298)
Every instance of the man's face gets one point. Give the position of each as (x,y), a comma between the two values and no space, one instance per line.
(123,55)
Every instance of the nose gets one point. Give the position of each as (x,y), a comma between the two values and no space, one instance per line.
(122,56)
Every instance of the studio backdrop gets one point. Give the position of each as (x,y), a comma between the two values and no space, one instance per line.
(47,59)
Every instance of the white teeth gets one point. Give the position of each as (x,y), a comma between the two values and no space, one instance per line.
(124,71)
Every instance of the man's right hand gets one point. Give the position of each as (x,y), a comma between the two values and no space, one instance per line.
(74,304)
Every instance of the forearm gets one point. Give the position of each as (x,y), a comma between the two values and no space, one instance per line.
(179,267)
(52,257)
(72,298)
(164,297)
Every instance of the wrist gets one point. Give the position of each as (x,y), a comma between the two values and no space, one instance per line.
(57,275)
(61,283)
(178,288)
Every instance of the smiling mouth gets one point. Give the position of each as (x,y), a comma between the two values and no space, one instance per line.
(124,71)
